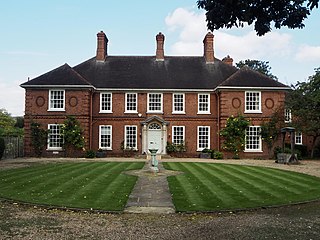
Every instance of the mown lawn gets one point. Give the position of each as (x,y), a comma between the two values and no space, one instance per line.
(209,187)
(96,185)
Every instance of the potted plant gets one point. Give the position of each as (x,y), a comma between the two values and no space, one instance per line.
(100,153)
(206,153)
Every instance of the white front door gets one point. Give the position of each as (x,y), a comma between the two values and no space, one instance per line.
(155,137)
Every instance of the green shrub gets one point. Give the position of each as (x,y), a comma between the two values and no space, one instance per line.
(90,154)
(2,147)
(217,155)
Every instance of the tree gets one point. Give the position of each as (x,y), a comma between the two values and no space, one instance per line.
(261,13)
(304,102)
(8,124)
(39,137)
(234,134)
(259,66)
(72,134)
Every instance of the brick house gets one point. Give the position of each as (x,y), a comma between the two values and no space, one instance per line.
(147,101)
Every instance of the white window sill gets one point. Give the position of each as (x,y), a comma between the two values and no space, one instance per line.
(56,110)
(105,112)
(131,112)
(178,112)
(252,111)
(157,112)
(203,113)
(54,149)
(106,148)
(252,151)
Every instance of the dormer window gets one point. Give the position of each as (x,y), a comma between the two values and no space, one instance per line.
(56,100)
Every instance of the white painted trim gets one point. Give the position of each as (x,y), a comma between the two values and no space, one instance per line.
(209,105)
(183,104)
(148,101)
(245,102)
(100,102)
(252,88)
(183,132)
(209,133)
(125,102)
(49,101)
(260,143)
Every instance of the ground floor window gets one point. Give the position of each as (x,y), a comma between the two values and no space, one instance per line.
(105,137)
(55,137)
(130,138)
(253,139)
(298,138)
(178,134)
(203,139)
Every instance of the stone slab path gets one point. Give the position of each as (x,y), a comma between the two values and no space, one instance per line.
(151,193)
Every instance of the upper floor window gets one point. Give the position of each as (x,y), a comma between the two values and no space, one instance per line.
(131,103)
(298,138)
(130,137)
(178,134)
(105,137)
(253,102)
(56,100)
(253,139)
(178,103)
(106,102)
(203,103)
(55,137)
(287,115)
(155,102)
(203,140)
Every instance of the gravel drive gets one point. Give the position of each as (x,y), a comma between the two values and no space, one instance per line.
(291,222)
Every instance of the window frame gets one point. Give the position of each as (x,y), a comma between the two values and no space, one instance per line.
(174,111)
(251,149)
(208,103)
(100,139)
(198,138)
(287,115)
(135,147)
(174,135)
(50,103)
(55,148)
(126,103)
(101,102)
(161,104)
(298,135)
(246,110)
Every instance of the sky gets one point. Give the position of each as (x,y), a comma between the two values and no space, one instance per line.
(37,36)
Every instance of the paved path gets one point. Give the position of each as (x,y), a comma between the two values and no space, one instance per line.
(151,193)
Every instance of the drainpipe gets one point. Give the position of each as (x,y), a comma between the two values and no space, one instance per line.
(90,119)
(218,118)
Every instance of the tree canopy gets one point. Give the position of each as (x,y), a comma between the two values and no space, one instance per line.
(261,13)
(260,66)
(304,102)
(10,125)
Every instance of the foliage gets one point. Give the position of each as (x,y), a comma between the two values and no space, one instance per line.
(8,124)
(282,13)
(172,147)
(234,134)
(72,133)
(39,138)
(259,66)
(217,155)
(271,129)
(90,154)
(2,147)
(304,102)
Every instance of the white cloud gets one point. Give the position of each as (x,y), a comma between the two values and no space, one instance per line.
(308,53)
(192,28)
(12,98)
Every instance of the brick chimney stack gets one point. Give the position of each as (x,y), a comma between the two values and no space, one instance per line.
(208,48)
(101,46)
(228,60)
(160,51)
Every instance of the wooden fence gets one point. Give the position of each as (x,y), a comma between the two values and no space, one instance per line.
(13,147)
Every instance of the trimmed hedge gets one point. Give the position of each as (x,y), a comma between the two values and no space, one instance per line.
(2,147)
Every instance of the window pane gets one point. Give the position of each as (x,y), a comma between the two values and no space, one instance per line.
(57,99)
(203,137)
(252,101)
(203,103)
(131,137)
(55,137)
(105,101)
(253,138)
(177,134)
(178,102)
(105,136)
(131,102)
(155,102)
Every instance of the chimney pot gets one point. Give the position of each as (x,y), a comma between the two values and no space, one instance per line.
(228,60)
(101,46)
(160,50)
(208,48)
